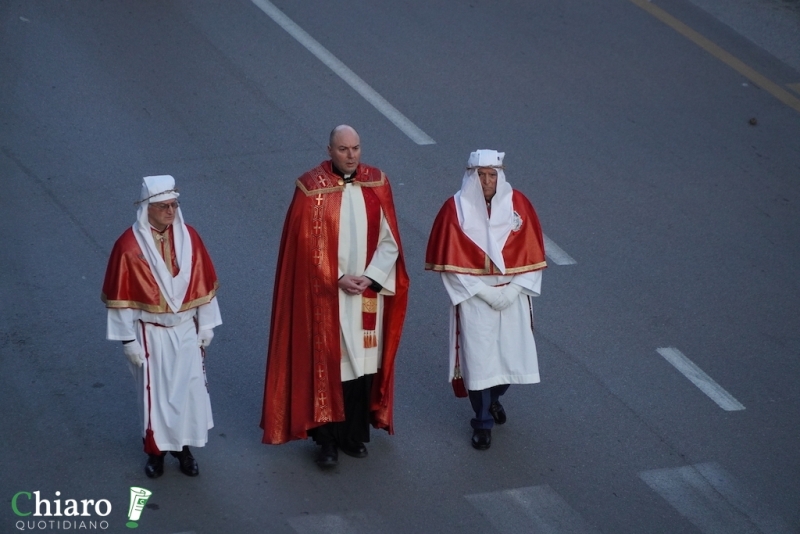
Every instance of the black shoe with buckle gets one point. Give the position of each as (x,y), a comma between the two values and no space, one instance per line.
(154,467)
(498,412)
(482,438)
(356,449)
(187,462)
(328,456)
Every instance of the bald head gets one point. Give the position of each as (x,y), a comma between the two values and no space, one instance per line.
(344,148)
(342,128)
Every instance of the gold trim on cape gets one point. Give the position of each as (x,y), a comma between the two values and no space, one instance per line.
(492,270)
(162,304)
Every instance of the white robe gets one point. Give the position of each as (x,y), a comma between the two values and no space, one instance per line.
(181,406)
(178,406)
(357,360)
(496,347)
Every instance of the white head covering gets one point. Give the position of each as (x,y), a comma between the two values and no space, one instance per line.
(160,189)
(489,234)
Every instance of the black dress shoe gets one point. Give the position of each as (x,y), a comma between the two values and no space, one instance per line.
(482,438)
(327,456)
(498,412)
(187,462)
(354,449)
(154,467)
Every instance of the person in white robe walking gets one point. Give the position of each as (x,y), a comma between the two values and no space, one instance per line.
(160,291)
(488,246)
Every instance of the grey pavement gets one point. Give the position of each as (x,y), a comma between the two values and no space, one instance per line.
(635,146)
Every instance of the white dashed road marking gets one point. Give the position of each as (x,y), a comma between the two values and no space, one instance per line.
(340,69)
(725,400)
(711,500)
(348,523)
(536,509)
(556,254)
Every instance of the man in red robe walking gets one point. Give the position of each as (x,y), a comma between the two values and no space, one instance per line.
(160,291)
(338,307)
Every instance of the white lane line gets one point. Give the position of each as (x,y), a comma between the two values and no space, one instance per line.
(711,500)
(341,70)
(725,400)
(536,509)
(555,253)
(365,522)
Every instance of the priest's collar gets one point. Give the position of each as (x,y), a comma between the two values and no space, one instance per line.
(347,179)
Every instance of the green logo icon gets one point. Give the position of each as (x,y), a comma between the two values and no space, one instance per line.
(139,498)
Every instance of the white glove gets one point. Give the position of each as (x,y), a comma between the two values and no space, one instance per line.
(134,352)
(511,292)
(204,337)
(494,297)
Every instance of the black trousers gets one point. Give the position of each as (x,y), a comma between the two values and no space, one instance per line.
(355,427)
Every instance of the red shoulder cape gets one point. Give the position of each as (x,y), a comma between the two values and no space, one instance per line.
(303,379)
(451,250)
(129,283)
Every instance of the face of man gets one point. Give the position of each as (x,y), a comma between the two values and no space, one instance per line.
(345,150)
(488,178)
(162,214)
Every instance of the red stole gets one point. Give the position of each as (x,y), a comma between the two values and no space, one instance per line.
(369,298)
(451,250)
(303,386)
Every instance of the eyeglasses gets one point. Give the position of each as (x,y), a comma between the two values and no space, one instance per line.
(160,206)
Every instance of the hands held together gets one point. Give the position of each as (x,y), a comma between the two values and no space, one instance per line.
(499,298)
(354,285)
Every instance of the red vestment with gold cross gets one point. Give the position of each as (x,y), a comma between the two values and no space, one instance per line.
(303,386)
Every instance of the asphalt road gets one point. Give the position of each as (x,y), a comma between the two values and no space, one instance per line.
(636,147)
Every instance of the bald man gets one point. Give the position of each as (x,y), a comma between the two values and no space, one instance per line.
(338,307)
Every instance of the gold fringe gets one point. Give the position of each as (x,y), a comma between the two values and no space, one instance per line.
(370,339)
